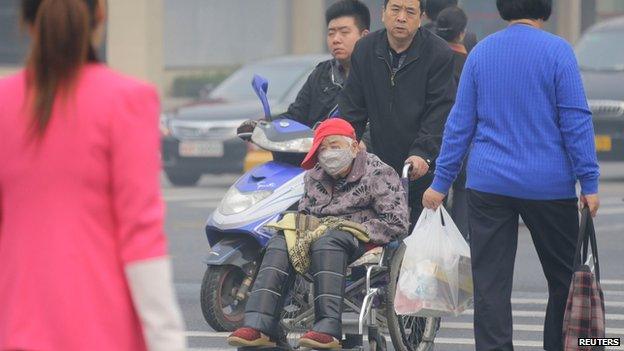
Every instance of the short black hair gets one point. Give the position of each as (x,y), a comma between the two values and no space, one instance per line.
(350,8)
(434,7)
(511,10)
(422,4)
(452,21)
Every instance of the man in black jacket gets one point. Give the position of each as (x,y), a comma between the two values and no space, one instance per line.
(347,22)
(401,82)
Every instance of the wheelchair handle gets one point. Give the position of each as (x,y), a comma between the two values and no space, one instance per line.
(406,170)
(405,179)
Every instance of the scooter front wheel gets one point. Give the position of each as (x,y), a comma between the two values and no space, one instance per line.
(220,306)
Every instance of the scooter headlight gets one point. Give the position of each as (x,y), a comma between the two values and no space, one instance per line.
(235,201)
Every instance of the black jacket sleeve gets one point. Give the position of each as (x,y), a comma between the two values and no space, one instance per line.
(351,102)
(299,110)
(439,100)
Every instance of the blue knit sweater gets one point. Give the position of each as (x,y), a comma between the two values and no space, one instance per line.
(522,109)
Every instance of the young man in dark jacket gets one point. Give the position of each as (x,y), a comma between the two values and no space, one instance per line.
(401,82)
(347,22)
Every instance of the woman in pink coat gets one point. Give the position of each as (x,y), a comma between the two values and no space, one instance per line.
(83,261)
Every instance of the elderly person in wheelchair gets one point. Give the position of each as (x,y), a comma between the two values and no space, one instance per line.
(356,190)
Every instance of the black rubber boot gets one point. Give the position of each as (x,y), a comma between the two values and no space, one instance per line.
(330,254)
(275,277)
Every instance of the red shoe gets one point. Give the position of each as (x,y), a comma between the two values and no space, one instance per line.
(249,337)
(316,340)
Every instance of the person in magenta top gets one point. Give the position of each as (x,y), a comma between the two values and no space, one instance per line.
(83,262)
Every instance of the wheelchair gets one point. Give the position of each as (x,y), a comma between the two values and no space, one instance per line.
(369,294)
(371,298)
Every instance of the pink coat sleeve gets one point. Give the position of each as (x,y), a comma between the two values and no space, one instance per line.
(137,201)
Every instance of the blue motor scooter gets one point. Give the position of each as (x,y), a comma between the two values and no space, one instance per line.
(235,229)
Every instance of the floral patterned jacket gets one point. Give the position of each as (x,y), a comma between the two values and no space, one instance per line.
(372,194)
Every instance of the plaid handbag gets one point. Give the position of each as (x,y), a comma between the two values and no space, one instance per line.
(585,312)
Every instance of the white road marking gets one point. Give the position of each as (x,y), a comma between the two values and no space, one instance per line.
(203,204)
(544,302)
(610,211)
(205,334)
(611,282)
(610,228)
(192,197)
(542,314)
(465,341)
(518,327)
(612,201)
(518,343)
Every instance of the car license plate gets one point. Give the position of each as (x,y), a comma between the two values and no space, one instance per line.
(201,149)
(603,143)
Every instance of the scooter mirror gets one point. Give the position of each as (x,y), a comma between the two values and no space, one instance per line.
(261,86)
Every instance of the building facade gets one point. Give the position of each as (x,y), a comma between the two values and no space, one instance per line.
(152,39)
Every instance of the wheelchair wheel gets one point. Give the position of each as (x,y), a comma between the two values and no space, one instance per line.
(298,317)
(408,333)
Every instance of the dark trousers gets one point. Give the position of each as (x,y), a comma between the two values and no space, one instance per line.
(416,190)
(330,255)
(459,205)
(493,221)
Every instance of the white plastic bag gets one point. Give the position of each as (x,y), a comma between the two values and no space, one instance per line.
(435,279)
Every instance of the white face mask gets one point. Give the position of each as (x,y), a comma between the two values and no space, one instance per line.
(335,161)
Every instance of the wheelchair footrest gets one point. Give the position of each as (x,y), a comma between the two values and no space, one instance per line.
(352,341)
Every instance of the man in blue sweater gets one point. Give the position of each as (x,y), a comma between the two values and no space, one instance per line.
(522,109)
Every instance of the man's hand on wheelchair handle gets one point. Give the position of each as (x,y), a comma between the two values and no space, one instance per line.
(420,167)
(432,199)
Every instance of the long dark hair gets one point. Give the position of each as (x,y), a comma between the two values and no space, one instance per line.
(61,44)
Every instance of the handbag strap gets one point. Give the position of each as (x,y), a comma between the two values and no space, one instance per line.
(586,239)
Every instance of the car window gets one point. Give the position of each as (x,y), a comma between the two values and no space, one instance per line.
(281,77)
(601,51)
